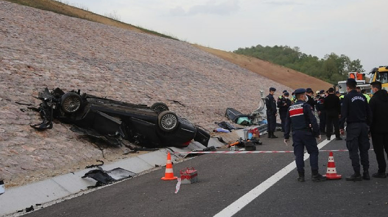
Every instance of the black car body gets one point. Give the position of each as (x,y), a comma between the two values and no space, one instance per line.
(115,121)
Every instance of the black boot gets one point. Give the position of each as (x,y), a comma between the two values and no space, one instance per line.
(316,177)
(379,175)
(301,177)
(273,136)
(269,135)
(365,175)
(354,177)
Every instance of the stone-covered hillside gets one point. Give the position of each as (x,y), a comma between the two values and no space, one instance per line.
(41,49)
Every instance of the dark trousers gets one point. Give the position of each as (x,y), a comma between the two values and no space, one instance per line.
(271,118)
(357,140)
(283,118)
(380,144)
(306,139)
(322,121)
(330,121)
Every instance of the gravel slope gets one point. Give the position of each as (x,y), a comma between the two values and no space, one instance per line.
(41,49)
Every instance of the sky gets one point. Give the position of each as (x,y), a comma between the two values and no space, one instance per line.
(355,28)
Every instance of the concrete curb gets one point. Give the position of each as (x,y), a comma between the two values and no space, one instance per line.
(56,188)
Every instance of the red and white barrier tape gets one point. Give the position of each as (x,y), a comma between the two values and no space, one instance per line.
(251,152)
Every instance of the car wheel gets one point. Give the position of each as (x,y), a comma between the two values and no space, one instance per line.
(159,107)
(168,121)
(71,102)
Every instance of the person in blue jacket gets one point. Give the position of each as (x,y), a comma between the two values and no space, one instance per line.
(305,130)
(283,104)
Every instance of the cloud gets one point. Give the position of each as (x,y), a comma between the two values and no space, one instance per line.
(224,8)
(284,2)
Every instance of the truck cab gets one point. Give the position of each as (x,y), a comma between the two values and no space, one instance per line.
(381,74)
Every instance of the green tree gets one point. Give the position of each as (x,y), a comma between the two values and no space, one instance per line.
(332,68)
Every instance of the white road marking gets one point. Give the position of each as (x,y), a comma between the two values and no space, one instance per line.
(258,190)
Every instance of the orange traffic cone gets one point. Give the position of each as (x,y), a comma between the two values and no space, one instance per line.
(331,172)
(169,174)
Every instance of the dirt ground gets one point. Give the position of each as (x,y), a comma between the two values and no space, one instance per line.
(283,75)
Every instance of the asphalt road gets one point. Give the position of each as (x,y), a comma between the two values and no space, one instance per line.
(225,178)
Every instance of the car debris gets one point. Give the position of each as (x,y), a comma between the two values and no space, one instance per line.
(2,188)
(189,176)
(221,130)
(101,163)
(257,117)
(226,125)
(117,122)
(106,177)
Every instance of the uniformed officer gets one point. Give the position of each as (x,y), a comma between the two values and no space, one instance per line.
(363,91)
(321,111)
(281,96)
(304,131)
(293,99)
(283,104)
(337,93)
(342,98)
(357,114)
(270,103)
(310,98)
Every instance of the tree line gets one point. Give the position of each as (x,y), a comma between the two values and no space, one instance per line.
(332,68)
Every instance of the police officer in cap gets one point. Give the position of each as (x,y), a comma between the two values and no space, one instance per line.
(357,114)
(283,104)
(270,103)
(310,98)
(305,129)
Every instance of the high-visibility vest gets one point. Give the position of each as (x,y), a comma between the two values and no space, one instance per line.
(367,97)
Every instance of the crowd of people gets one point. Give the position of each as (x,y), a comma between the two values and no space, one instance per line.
(310,115)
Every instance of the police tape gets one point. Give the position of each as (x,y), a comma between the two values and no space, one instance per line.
(252,152)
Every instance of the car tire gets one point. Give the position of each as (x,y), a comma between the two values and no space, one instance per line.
(71,102)
(159,107)
(168,121)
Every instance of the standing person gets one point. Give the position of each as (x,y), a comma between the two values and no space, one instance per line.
(357,114)
(283,105)
(337,93)
(379,107)
(332,106)
(321,111)
(342,99)
(293,99)
(281,96)
(310,98)
(270,103)
(304,131)
(363,91)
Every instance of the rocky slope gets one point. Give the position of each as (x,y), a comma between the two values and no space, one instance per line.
(41,49)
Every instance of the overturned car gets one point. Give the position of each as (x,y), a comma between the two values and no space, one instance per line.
(115,121)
